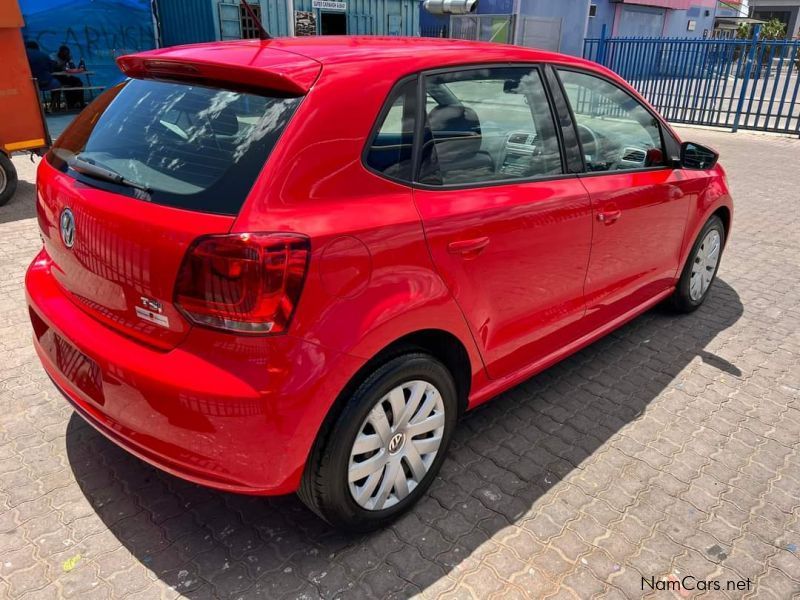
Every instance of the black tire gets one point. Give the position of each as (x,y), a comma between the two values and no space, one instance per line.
(8,179)
(325,486)
(681,300)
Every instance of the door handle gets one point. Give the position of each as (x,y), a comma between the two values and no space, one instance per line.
(609,216)
(468,248)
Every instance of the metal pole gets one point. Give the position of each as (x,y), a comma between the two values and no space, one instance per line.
(262,33)
(290,16)
(601,46)
(747,69)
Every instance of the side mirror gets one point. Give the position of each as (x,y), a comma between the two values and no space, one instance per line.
(695,156)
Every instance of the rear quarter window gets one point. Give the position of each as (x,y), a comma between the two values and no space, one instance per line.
(389,151)
(192,147)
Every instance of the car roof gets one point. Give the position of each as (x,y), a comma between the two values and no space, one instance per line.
(343,49)
(293,64)
(434,51)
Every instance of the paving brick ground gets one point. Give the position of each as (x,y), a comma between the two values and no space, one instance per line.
(668,449)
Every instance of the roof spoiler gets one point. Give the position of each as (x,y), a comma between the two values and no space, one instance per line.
(240,65)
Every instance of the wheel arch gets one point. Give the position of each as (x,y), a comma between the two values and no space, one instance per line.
(443,346)
(714,200)
(724,213)
(439,343)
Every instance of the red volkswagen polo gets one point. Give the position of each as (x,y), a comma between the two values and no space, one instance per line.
(290,265)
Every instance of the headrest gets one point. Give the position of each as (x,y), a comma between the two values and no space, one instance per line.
(454,121)
(456,133)
(457,127)
(224,122)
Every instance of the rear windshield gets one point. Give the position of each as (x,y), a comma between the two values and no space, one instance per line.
(177,144)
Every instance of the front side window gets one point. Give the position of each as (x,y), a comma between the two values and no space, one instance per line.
(615,130)
(390,150)
(488,125)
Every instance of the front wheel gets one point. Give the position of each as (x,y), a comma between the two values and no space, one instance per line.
(701,267)
(386,446)
(8,179)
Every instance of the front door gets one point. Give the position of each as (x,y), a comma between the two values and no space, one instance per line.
(508,231)
(640,204)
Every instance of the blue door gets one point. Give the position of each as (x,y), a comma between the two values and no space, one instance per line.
(186,21)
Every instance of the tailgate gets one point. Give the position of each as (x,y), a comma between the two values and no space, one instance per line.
(125,254)
(141,173)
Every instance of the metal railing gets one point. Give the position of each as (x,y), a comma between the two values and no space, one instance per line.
(736,83)
(439,31)
(485,28)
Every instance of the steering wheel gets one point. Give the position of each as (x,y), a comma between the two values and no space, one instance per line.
(589,141)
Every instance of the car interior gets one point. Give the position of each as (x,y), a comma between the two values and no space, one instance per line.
(488,130)
(178,144)
(615,131)
(496,124)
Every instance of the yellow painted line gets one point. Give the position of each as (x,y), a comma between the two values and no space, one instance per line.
(37,143)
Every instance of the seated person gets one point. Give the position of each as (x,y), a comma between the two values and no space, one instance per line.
(41,67)
(64,62)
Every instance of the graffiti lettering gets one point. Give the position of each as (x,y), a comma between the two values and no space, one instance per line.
(92,43)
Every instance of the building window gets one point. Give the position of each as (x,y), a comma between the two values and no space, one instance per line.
(593,10)
(250,29)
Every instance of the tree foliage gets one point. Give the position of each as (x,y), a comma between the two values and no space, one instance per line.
(774,29)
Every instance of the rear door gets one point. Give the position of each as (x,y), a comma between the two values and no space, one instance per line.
(139,175)
(640,204)
(508,231)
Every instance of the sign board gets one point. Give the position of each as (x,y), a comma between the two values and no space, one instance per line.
(328,5)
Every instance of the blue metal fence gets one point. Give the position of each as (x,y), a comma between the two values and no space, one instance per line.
(736,83)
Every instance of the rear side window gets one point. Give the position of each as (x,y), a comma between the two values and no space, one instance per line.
(182,145)
(488,125)
(389,151)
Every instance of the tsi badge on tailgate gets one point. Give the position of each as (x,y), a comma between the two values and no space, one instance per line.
(151,311)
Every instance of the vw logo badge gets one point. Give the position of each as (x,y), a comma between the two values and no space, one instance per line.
(396,442)
(68,227)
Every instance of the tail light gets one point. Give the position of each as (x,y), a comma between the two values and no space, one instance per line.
(247,283)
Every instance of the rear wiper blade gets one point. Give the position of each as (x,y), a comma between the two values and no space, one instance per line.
(91,169)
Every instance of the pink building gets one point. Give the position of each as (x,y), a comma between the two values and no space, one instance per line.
(652,18)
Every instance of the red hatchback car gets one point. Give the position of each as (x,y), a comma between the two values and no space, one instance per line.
(290,265)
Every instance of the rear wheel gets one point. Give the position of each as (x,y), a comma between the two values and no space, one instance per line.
(386,446)
(8,179)
(701,267)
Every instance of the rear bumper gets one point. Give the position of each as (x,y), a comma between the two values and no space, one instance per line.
(234,413)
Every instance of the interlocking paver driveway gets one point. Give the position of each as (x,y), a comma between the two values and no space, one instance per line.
(668,449)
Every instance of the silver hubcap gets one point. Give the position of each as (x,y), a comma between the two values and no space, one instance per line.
(396,445)
(3,180)
(705,265)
